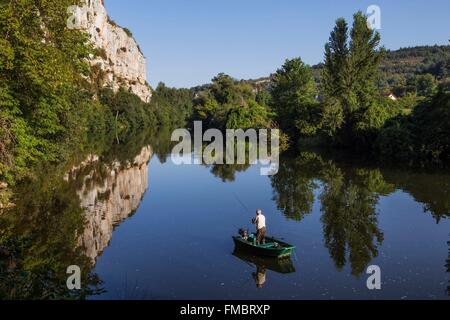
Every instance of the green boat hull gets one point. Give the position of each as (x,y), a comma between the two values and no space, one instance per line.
(272,248)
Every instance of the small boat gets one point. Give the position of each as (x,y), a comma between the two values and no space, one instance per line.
(271,247)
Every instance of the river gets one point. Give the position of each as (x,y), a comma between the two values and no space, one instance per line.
(141,227)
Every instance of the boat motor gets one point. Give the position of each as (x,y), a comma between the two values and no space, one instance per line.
(243,233)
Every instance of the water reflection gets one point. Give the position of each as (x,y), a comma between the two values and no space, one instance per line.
(66,214)
(349,196)
(431,188)
(448,267)
(39,240)
(226,172)
(294,186)
(261,265)
(350,224)
(109,194)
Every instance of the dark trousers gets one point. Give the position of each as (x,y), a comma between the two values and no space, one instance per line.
(260,235)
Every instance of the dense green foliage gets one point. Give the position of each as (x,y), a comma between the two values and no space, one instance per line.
(54,111)
(400,68)
(42,65)
(294,99)
(424,134)
(346,101)
(230,104)
(38,241)
(52,99)
(352,108)
(423,85)
(40,236)
(172,106)
(130,113)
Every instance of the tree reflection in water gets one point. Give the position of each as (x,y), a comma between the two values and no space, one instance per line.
(348,195)
(448,267)
(49,229)
(294,185)
(349,217)
(65,216)
(38,241)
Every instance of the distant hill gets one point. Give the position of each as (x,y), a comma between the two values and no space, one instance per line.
(407,62)
(398,66)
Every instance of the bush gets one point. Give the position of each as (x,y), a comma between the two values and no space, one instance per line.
(396,141)
(129,112)
(231,104)
(432,123)
(423,135)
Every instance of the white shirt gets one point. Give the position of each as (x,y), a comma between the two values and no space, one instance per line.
(260,278)
(260,222)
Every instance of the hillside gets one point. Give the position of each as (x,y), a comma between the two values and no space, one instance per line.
(405,63)
(418,60)
(398,66)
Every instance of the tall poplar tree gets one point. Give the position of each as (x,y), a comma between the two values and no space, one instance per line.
(352,106)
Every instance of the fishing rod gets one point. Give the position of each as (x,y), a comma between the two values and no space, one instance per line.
(246,208)
(243,206)
(241,203)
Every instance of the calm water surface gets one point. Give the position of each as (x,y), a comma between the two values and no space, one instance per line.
(144,228)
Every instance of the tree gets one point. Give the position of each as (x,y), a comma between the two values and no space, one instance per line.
(230,104)
(263,97)
(425,85)
(336,67)
(43,67)
(422,135)
(172,106)
(349,81)
(293,99)
(365,59)
(129,111)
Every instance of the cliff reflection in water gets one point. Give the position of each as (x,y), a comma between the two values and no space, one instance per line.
(109,194)
(66,214)
(66,217)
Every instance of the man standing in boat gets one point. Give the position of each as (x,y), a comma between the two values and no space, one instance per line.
(260,222)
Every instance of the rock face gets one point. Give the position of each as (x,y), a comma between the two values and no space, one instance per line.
(109,195)
(121,62)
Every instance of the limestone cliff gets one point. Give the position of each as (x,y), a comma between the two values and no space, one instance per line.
(121,63)
(108,195)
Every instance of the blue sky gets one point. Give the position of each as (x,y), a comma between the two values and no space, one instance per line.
(187,42)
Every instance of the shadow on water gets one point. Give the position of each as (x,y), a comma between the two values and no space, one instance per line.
(66,214)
